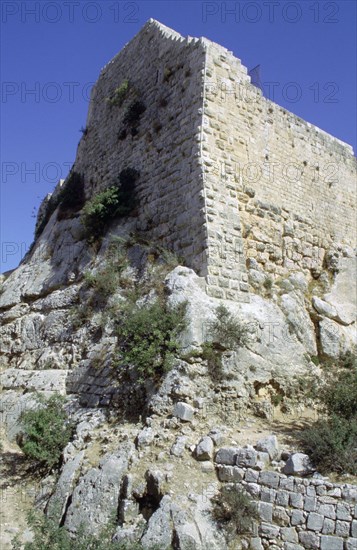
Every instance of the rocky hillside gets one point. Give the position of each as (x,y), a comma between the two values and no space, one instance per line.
(154,401)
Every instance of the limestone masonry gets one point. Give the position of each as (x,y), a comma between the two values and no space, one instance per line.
(227,177)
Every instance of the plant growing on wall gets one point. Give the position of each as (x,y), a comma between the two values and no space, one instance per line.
(114,202)
(120,94)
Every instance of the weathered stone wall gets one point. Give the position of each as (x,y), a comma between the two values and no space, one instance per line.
(228,179)
(299,513)
(292,185)
(166,72)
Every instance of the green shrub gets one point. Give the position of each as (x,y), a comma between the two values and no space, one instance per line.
(120,94)
(339,396)
(113,202)
(234,511)
(332,444)
(100,211)
(148,336)
(227,331)
(46,431)
(107,280)
(49,536)
(213,357)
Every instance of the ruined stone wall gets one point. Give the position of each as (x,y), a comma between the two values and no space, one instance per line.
(165,72)
(284,186)
(297,513)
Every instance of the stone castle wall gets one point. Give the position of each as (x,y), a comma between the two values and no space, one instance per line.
(165,72)
(292,185)
(228,179)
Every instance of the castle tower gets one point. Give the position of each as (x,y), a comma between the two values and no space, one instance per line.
(228,179)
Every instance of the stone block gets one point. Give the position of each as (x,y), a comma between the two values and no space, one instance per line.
(342,528)
(309,540)
(269,445)
(246,458)
(343,511)
(310,504)
(267,494)
(270,479)
(286,483)
(315,521)
(289,534)
(327,510)
(298,464)
(331,543)
(280,516)
(269,530)
(296,500)
(227,455)
(265,510)
(230,474)
(328,527)
(256,544)
(253,489)
(297,517)
(251,475)
(354,528)
(351,544)
(282,498)
(204,449)
(183,411)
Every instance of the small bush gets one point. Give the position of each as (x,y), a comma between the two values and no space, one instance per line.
(214,361)
(120,94)
(227,331)
(100,211)
(107,280)
(114,202)
(331,442)
(46,431)
(339,396)
(234,511)
(148,337)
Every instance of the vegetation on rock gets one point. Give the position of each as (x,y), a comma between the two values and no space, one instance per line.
(234,510)
(331,442)
(148,336)
(48,535)
(46,431)
(114,202)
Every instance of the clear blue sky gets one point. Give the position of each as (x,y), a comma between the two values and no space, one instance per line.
(56,49)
